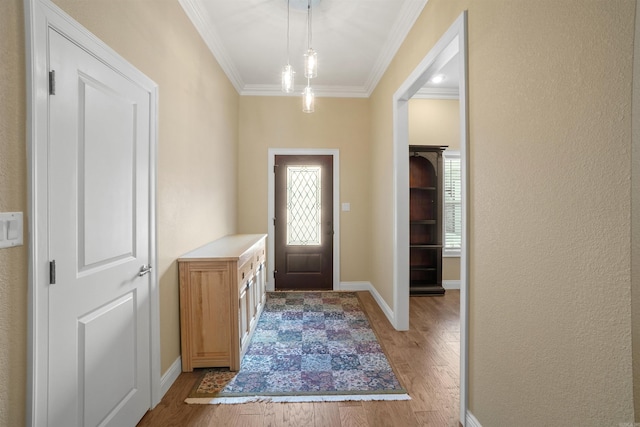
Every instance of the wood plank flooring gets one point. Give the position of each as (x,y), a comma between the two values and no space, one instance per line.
(426,360)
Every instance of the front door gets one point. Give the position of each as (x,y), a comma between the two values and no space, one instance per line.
(98,221)
(304,222)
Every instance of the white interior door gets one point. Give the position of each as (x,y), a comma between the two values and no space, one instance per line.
(98,221)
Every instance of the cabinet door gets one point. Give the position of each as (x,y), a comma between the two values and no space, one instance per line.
(261,285)
(242,313)
(252,303)
(205,314)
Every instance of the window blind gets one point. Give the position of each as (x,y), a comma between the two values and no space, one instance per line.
(452,203)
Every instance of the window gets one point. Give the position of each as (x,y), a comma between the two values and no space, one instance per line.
(304,205)
(452,203)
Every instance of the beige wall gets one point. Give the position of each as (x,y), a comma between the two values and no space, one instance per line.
(13,197)
(635,221)
(434,122)
(549,241)
(437,122)
(197,153)
(278,122)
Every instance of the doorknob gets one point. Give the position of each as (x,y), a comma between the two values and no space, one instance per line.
(144,270)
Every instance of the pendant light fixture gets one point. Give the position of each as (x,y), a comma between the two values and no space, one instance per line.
(308,99)
(311,57)
(310,68)
(288,75)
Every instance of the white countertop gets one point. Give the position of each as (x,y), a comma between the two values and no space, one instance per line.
(227,248)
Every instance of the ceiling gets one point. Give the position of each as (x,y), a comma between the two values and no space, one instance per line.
(355,41)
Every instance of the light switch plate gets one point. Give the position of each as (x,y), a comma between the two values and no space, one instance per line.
(11,227)
(346,207)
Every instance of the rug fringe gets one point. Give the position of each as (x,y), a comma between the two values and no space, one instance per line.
(291,399)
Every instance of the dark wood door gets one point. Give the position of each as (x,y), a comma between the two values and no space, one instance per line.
(304,222)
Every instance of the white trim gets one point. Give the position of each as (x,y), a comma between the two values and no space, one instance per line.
(169,377)
(319,91)
(211,38)
(410,11)
(451,284)
(272,153)
(436,93)
(453,42)
(154,290)
(40,15)
(472,421)
(367,286)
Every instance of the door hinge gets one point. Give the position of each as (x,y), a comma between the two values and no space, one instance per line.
(52,82)
(52,272)
(274,221)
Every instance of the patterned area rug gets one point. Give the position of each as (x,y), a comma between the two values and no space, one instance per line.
(307,346)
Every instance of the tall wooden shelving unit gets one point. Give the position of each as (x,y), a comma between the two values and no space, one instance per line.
(425,219)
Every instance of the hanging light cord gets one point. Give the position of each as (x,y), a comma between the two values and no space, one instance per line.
(309,20)
(288,12)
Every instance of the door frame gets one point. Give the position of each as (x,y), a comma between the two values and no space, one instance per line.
(272,153)
(40,15)
(453,41)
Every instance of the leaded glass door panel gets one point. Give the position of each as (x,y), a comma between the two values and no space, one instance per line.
(304,222)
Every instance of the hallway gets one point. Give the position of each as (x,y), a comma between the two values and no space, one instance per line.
(425,358)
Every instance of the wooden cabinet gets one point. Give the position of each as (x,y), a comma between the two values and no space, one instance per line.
(222,293)
(425,220)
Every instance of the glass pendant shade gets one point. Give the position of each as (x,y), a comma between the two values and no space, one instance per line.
(310,64)
(288,76)
(308,100)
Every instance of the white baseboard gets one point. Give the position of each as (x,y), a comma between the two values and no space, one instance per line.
(451,284)
(367,286)
(169,377)
(472,421)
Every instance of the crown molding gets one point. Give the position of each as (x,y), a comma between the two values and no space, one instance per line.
(211,38)
(437,93)
(319,91)
(401,27)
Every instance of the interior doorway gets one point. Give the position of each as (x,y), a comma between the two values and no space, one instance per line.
(452,43)
(94,339)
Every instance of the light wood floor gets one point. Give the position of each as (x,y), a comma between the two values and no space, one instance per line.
(425,358)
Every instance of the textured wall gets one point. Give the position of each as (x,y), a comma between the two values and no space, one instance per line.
(550,142)
(13,197)
(635,220)
(278,122)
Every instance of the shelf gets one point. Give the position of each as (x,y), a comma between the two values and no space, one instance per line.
(425,289)
(423,221)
